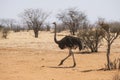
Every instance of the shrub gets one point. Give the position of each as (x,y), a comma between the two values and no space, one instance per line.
(4,31)
(92,38)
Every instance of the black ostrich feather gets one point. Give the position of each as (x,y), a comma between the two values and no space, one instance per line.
(70,42)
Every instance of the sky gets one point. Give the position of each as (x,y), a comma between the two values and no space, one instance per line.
(108,9)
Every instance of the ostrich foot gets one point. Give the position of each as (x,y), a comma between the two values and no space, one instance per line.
(74,65)
(61,63)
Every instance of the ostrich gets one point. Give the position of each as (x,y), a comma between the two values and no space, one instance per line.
(70,43)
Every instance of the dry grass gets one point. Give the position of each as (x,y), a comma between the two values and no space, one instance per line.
(116,76)
(22,57)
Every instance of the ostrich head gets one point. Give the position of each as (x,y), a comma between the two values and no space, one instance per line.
(54,23)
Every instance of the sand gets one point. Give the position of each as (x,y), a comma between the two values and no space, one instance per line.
(23,57)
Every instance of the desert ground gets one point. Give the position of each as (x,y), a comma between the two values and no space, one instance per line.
(23,57)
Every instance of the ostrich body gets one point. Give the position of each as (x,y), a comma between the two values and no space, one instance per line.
(70,43)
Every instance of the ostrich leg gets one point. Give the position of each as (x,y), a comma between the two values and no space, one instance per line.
(73,58)
(65,58)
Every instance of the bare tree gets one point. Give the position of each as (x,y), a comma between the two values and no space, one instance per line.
(48,27)
(73,19)
(9,23)
(60,27)
(34,19)
(112,31)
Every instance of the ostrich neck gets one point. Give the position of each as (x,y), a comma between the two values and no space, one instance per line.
(55,35)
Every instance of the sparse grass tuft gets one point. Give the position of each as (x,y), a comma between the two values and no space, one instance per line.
(114,64)
(116,76)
